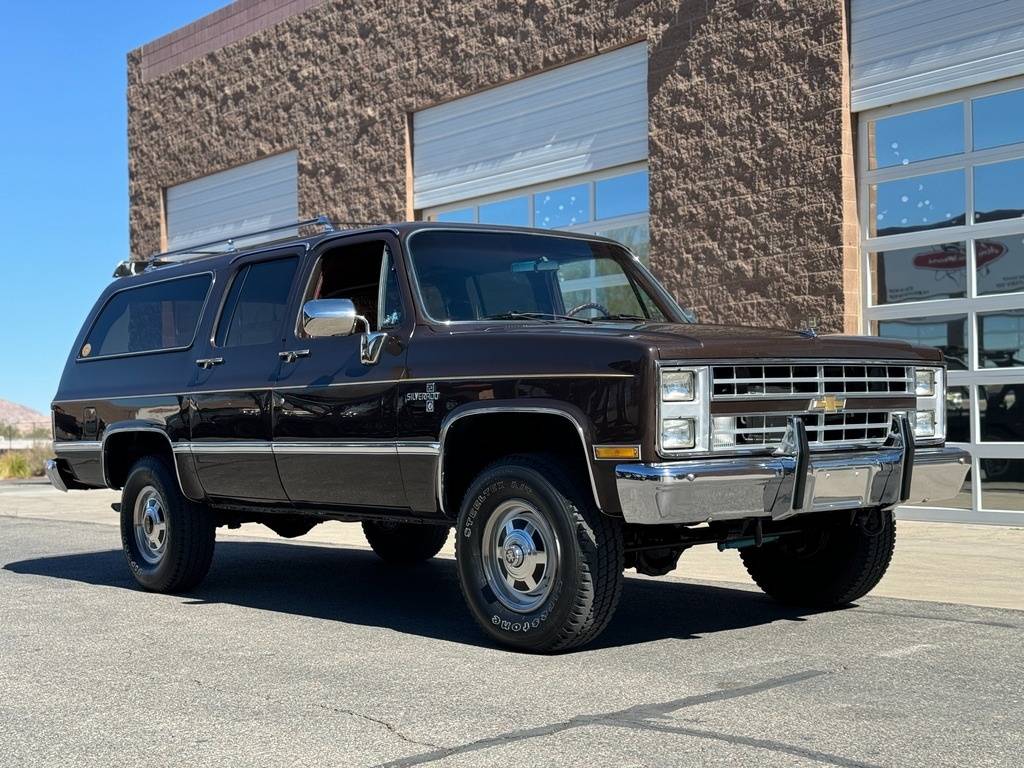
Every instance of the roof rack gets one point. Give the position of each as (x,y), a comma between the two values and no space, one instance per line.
(135,267)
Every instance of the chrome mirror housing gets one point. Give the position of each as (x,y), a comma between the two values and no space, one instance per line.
(329,317)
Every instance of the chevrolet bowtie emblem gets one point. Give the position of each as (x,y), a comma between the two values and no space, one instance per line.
(828,404)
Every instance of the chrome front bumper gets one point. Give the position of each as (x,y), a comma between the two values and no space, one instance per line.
(795,482)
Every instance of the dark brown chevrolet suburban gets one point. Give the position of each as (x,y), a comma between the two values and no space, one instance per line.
(539,392)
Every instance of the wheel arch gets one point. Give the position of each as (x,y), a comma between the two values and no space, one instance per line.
(125,443)
(572,437)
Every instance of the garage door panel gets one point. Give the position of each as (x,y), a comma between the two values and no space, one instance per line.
(582,117)
(257,195)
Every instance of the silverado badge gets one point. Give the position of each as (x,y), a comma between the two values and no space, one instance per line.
(430,396)
(828,404)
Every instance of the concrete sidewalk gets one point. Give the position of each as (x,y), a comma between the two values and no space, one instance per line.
(938,562)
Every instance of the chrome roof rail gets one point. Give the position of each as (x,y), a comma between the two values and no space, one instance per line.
(137,266)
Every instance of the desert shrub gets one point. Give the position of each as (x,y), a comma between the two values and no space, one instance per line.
(27,463)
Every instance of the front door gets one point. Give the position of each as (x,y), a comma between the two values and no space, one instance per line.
(231,394)
(335,417)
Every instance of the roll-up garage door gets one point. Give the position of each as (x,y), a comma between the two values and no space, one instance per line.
(570,120)
(246,198)
(905,49)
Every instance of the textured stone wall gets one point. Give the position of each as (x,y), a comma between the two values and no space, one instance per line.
(749,137)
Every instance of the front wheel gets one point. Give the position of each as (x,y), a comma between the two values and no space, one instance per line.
(167,539)
(539,565)
(830,564)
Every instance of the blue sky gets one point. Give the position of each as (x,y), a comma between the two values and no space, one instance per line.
(64,171)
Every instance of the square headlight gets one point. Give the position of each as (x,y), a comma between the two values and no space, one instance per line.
(924,424)
(924,382)
(677,434)
(677,386)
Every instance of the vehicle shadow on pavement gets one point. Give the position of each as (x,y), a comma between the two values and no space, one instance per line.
(354,586)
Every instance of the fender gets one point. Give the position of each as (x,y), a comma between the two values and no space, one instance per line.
(187,482)
(566,411)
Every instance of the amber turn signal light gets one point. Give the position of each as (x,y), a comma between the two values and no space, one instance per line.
(616,452)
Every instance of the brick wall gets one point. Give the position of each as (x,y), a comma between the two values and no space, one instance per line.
(750,143)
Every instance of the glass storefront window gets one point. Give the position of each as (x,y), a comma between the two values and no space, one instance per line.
(621,195)
(921,135)
(958,414)
(918,274)
(999,191)
(1001,339)
(917,204)
(1000,264)
(1002,484)
(514,212)
(1001,412)
(636,237)
(561,208)
(461,216)
(946,333)
(998,120)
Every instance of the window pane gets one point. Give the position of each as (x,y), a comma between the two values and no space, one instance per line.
(514,212)
(999,191)
(636,237)
(256,304)
(621,195)
(151,317)
(916,274)
(1000,264)
(1001,408)
(905,139)
(998,119)
(564,207)
(946,333)
(461,216)
(1001,339)
(958,415)
(920,203)
(1002,484)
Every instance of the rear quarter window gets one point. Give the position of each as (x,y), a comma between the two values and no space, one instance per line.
(148,318)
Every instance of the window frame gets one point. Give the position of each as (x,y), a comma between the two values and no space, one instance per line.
(973,304)
(161,350)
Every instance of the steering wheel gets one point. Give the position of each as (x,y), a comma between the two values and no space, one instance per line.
(589,305)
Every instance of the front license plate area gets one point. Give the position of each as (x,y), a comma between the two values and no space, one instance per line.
(846,488)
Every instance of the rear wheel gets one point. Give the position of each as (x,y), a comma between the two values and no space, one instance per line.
(405,543)
(167,539)
(539,565)
(830,564)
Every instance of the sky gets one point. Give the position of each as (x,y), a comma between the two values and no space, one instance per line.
(64,171)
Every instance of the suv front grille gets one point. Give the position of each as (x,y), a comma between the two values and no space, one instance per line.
(823,429)
(762,382)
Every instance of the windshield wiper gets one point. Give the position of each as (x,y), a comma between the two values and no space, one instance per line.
(548,316)
(623,317)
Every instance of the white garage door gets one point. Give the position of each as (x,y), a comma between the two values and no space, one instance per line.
(243,199)
(906,49)
(575,119)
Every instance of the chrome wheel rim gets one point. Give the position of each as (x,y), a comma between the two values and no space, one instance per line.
(520,555)
(150,525)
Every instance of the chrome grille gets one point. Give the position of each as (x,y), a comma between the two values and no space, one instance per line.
(797,380)
(823,429)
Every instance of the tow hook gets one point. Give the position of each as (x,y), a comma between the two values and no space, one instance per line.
(872,521)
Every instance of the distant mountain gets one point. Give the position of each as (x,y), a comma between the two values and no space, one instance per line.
(21,417)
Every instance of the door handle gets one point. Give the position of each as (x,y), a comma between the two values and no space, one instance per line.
(293,354)
(208,362)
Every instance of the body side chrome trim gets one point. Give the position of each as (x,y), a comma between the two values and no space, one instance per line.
(481,411)
(415,380)
(77,446)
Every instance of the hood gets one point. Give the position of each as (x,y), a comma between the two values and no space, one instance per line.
(702,341)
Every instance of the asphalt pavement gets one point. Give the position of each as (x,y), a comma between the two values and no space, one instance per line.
(305,654)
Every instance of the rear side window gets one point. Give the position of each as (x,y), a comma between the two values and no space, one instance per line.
(150,318)
(256,303)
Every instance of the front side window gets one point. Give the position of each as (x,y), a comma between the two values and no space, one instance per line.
(499,275)
(150,318)
(256,304)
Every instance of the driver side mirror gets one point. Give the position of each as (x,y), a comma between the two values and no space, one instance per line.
(338,317)
(329,317)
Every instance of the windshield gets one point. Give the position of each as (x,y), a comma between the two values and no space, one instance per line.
(465,275)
